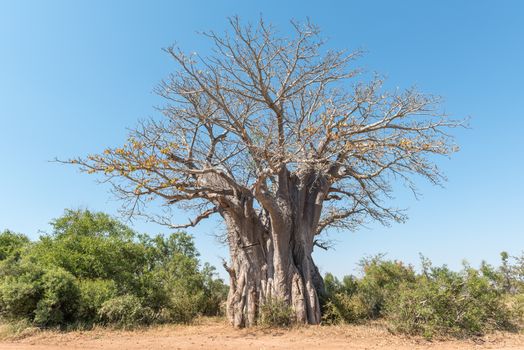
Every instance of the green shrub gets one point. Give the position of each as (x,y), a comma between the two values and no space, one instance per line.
(11,243)
(515,304)
(354,300)
(92,268)
(20,294)
(125,311)
(275,312)
(381,279)
(448,303)
(185,306)
(60,299)
(93,294)
(215,292)
(344,308)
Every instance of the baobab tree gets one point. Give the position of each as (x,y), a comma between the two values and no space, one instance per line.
(276,136)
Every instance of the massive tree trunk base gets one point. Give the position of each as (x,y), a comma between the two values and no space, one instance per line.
(252,288)
(265,268)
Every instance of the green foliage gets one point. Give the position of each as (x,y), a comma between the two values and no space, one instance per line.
(436,302)
(355,300)
(381,279)
(516,306)
(59,301)
(448,303)
(93,294)
(342,303)
(215,292)
(11,244)
(20,292)
(344,308)
(92,269)
(77,223)
(275,312)
(125,311)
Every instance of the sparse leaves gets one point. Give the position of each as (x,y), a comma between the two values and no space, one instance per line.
(263,104)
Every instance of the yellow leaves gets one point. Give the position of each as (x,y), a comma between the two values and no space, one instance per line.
(136,144)
(120,151)
(310,129)
(150,162)
(165,150)
(109,169)
(91,171)
(405,143)
(107,151)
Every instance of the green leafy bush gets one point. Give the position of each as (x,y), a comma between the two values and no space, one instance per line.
(21,292)
(516,306)
(275,312)
(93,294)
(46,297)
(381,279)
(125,311)
(448,303)
(436,302)
(185,305)
(11,243)
(91,267)
(344,308)
(355,300)
(60,298)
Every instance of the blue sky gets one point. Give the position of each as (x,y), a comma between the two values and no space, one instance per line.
(75,75)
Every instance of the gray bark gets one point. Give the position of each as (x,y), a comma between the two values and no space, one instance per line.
(270,253)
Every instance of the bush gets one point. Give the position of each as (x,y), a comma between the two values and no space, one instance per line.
(92,268)
(185,306)
(46,297)
(344,308)
(215,292)
(11,243)
(60,299)
(381,279)
(125,311)
(515,304)
(275,312)
(93,294)
(354,300)
(20,294)
(448,303)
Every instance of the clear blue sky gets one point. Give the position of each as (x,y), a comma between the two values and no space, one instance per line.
(75,74)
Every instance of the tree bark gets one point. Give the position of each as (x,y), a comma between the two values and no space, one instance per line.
(271,257)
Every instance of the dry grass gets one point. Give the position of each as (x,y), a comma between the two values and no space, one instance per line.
(209,333)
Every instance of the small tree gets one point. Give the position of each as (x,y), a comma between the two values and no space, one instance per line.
(271,134)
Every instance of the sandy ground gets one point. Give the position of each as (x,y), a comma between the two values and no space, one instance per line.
(213,334)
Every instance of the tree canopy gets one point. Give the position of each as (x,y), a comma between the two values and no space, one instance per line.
(279,136)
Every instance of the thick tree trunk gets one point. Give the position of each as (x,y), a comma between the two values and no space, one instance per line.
(268,263)
(271,246)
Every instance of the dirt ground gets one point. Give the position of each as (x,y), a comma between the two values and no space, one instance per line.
(213,334)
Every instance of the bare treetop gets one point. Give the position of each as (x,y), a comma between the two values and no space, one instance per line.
(262,103)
